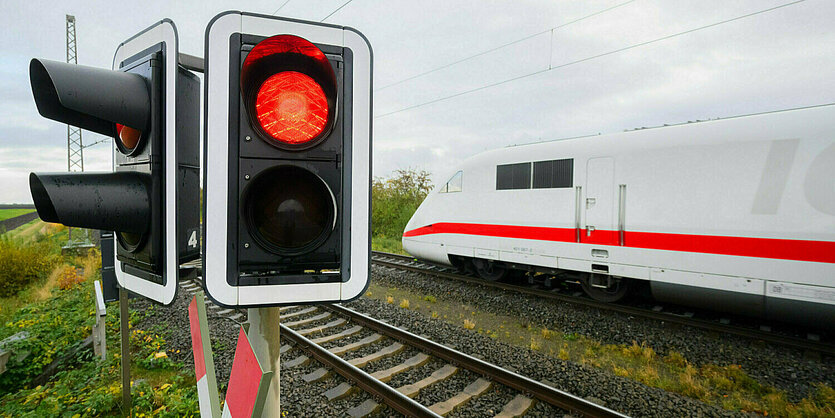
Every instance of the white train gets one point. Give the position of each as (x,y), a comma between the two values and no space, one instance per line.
(734,214)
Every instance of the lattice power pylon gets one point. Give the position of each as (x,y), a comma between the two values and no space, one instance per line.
(75,148)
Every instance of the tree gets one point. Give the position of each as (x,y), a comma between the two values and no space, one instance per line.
(395,199)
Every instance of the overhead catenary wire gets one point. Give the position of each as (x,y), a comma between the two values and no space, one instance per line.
(550,68)
(337,9)
(280,7)
(485,52)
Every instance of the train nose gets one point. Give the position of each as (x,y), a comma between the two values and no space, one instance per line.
(416,221)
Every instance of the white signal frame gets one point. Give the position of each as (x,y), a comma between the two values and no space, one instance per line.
(165,32)
(216,143)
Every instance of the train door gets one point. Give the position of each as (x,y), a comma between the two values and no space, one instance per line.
(600,192)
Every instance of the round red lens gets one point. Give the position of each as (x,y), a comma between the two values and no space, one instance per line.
(128,136)
(292,107)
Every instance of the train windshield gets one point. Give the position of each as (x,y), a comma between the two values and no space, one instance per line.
(454,183)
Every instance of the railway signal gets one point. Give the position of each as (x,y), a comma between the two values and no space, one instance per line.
(287,164)
(150,106)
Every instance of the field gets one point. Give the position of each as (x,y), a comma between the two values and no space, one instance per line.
(11,213)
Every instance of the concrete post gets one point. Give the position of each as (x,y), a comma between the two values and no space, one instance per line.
(264,337)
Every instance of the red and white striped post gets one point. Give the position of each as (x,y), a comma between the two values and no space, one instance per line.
(249,384)
(204,365)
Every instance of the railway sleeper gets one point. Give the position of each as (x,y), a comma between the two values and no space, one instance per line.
(296,362)
(317,375)
(328,338)
(371,406)
(371,339)
(413,362)
(322,328)
(340,391)
(306,321)
(517,407)
(477,388)
(298,313)
(388,351)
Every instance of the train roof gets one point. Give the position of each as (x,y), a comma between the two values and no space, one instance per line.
(736,128)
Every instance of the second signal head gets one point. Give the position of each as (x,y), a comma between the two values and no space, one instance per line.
(127,139)
(289,90)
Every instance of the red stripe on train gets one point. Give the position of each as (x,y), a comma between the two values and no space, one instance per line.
(784,249)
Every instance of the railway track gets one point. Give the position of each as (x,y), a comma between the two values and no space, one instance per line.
(722,326)
(296,327)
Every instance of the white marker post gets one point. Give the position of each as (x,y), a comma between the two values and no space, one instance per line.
(99,335)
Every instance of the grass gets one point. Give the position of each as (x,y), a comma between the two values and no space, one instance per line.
(388,245)
(58,311)
(13,213)
(727,386)
(27,254)
(36,230)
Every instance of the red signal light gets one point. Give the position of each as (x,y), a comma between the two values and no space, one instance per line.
(281,44)
(292,107)
(128,138)
(290,92)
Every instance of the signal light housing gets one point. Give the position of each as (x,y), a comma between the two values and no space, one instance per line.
(167,148)
(150,107)
(287,161)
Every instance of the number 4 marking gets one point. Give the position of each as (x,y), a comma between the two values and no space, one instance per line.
(192,239)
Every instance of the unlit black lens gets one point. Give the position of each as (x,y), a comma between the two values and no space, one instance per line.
(129,240)
(290,208)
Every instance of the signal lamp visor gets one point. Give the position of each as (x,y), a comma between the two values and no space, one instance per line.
(127,138)
(289,91)
(289,210)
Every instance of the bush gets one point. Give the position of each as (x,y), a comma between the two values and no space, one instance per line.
(69,278)
(395,200)
(21,264)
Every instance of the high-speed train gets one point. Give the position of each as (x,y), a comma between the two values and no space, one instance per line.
(734,214)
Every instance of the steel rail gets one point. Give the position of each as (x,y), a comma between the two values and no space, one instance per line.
(792,342)
(391,397)
(545,393)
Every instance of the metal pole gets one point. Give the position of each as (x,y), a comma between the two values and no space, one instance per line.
(125,338)
(263,336)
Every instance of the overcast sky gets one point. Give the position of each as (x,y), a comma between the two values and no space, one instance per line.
(774,60)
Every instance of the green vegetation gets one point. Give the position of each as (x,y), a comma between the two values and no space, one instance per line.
(28,256)
(13,213)
(38,230)
(161,387)
(22,264)
(727,386)
(387,245)
(393,202)
(56,309)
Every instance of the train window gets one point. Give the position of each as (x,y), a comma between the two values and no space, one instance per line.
(454,183)
(513,176)
(553,174)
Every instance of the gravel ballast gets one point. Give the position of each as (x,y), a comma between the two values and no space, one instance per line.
(784,368)
(618,393)
(300,398)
